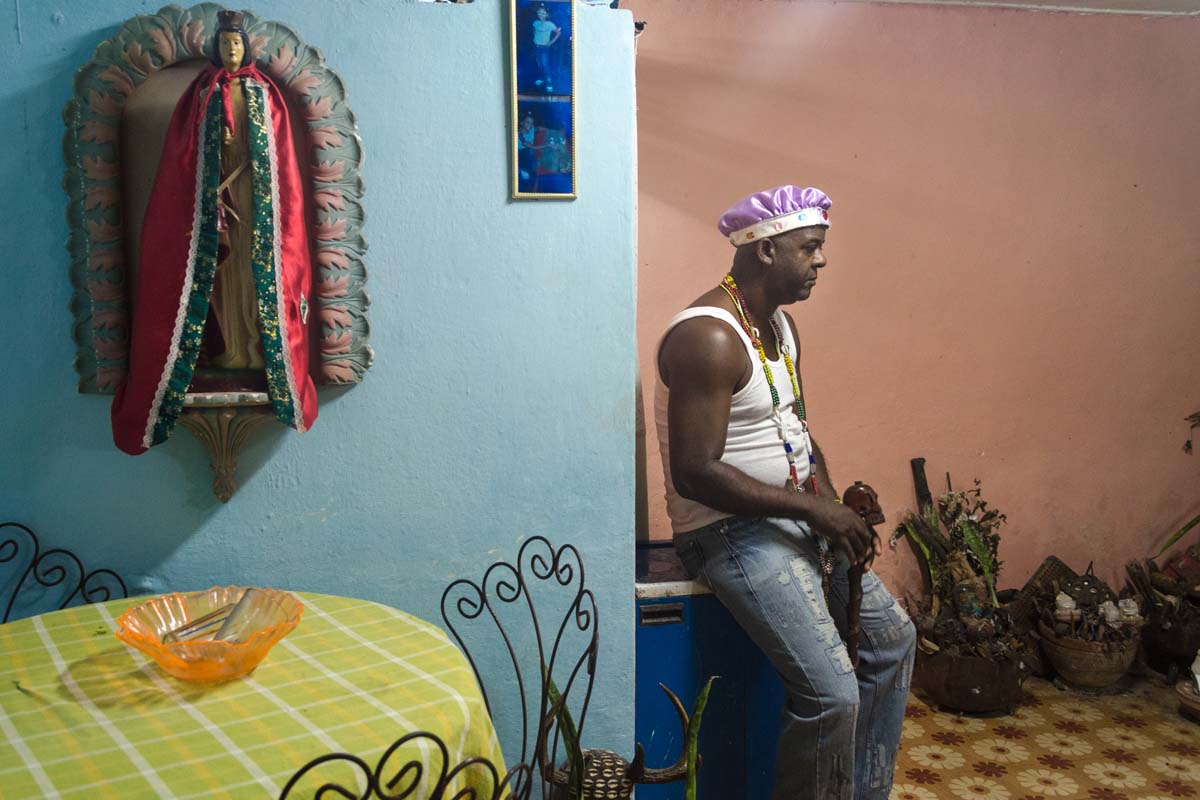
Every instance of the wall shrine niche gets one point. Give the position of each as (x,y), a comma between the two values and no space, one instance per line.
(116,130)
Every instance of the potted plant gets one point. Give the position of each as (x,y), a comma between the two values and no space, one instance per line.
(970,656)
(1170,596)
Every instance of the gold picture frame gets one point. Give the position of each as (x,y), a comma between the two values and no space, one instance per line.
(542,81)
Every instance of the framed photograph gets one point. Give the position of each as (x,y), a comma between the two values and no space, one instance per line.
(543,103)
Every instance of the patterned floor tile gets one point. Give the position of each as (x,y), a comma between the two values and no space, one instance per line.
(1059,745)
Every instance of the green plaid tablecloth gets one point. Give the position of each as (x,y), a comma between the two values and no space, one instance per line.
(84,716)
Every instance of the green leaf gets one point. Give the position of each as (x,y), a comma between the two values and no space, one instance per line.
(570,737)
(691,741)
(1179,534)
(981,552)
(934,571)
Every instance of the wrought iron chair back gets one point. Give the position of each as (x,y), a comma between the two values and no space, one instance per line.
(408,775)
(55,569)
(504,588)
(565,653)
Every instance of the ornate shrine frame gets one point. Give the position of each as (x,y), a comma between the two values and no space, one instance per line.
(91,149)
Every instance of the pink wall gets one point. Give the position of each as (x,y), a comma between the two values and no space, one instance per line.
(1014,270)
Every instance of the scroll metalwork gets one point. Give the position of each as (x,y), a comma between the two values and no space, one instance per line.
(399,775)
(51,570)
(565,653)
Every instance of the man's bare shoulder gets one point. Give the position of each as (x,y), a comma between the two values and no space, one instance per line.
(705,344)
(706,334)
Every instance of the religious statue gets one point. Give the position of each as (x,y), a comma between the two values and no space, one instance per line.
(234,341)
(225,275)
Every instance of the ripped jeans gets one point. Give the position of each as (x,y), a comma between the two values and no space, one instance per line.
(840,729)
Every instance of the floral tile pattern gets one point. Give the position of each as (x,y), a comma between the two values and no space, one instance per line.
(1059,745)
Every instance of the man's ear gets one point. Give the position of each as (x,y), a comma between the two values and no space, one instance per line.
(765,250)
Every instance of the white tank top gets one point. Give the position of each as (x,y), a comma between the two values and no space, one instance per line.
(752,443)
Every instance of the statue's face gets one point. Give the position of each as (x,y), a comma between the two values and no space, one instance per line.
(865,502)
(231,49)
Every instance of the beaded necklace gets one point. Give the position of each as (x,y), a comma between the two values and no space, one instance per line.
(739,303)
(824,553)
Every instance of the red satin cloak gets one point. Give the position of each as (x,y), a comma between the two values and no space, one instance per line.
(143,413)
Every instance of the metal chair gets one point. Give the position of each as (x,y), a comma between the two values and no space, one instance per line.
(561,658)
(51,570)
(407,775)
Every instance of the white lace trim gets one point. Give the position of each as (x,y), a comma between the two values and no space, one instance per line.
(185,294)
(276,249)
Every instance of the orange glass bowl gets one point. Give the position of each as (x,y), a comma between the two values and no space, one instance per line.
(274,614)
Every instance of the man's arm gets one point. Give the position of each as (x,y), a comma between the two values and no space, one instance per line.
(824,479)
(702,361)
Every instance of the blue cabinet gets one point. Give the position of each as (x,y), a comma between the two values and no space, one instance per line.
(684,635)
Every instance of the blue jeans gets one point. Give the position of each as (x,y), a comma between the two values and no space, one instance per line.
(840,728)
(541,57)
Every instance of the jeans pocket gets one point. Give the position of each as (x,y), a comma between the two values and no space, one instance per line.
(688,550)
(738,526)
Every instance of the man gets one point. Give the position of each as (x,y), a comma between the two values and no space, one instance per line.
(755,514)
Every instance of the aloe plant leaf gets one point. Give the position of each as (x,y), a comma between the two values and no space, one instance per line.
(1179,534)
(934,569)
(570,737)
(982,554)
(691,741)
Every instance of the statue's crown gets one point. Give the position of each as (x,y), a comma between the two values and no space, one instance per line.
(230,20)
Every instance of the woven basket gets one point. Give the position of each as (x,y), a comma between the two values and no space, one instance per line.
(1091,665)
(1023,609)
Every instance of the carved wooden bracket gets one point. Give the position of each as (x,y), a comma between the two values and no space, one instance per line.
(223,431)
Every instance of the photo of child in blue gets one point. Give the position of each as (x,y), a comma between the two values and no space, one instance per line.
(543,141)
(543,34)
(544,148)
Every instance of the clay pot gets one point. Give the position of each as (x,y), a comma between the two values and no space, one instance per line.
(1189,699)
(970,683)
(1090,665)
(1172,637)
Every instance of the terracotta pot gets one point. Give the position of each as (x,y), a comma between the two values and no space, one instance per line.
(1189,699)
(1086,664)
(1172,637)
(970,683)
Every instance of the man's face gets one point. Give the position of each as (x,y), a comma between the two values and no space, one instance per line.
(543,14)
(798,256)
(232,50)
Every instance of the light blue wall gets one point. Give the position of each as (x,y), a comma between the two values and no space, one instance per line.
(501,403)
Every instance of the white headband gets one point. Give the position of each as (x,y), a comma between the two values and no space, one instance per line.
(804,218)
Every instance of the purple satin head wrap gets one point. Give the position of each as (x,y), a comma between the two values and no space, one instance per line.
(774,211)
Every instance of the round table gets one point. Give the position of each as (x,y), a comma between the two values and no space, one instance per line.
(84,716)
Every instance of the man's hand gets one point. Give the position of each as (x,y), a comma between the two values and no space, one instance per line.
(845,530)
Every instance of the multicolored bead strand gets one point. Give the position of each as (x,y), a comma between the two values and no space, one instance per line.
(739,303)
(825,557)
